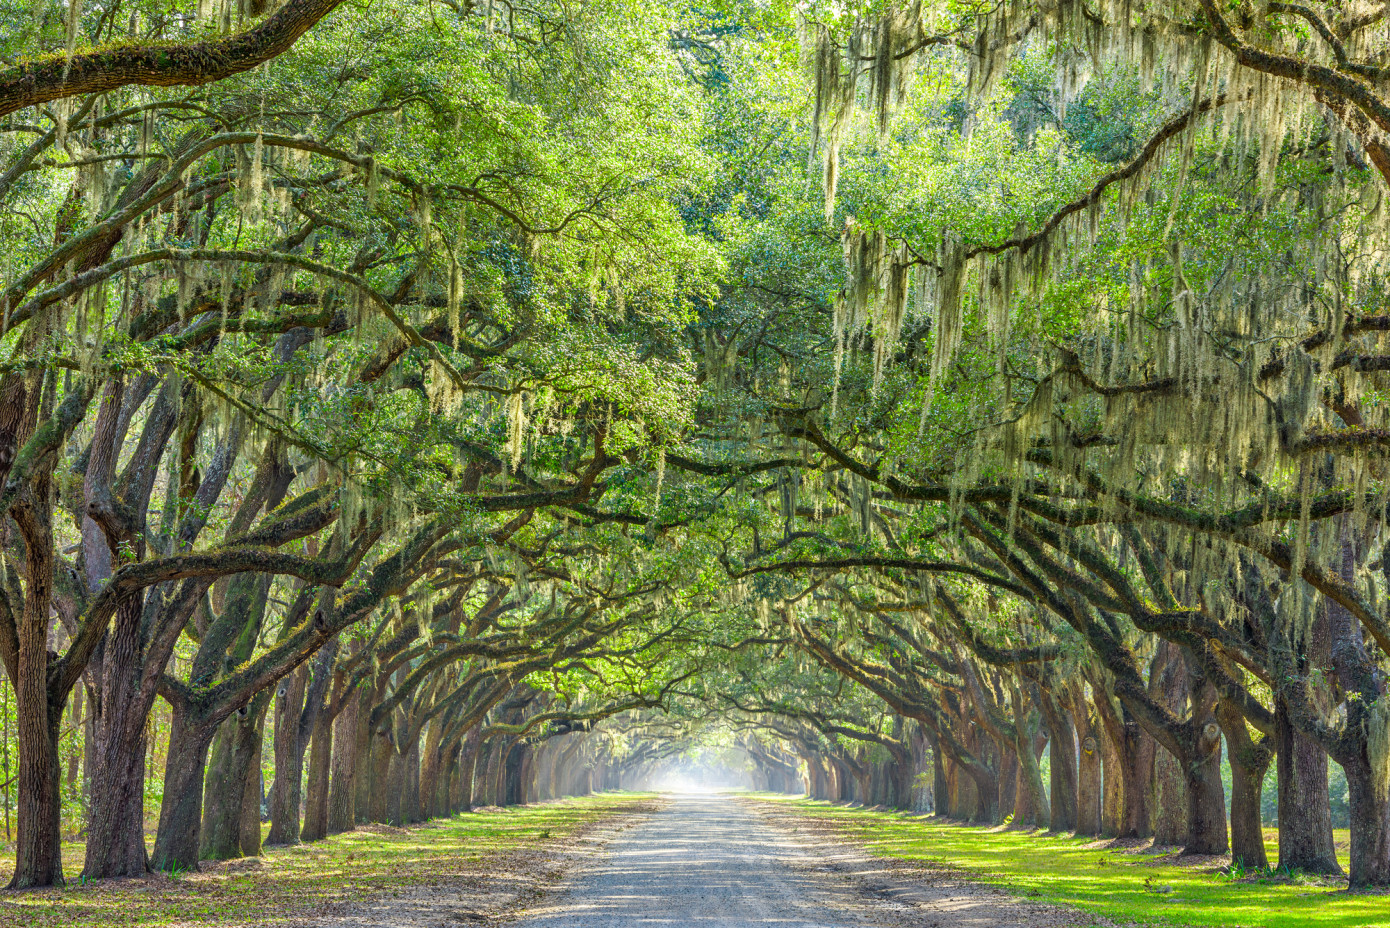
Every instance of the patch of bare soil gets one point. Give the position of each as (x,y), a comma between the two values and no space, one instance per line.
(494,893)
(918,894)
(381,828)
(1129,845)
(1174,857)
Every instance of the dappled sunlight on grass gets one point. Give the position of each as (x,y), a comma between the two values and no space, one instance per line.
(1113,882)
(372,862)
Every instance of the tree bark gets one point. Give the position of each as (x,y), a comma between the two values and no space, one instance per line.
(1359,674)
(1110,733)
(1168,685)
(379,792)
(410,798)
(1370,833)
(444,789)
(1304,806)
(395,788)
(1136,768)
(1009,773)
(176,844)
(253,792)
(38,838)
(1169,810)
(1249,763)
(158,65)
(941,790)
(1305,809)
(316,802)
(434,776)
(485,778)
(518,775)
(219,836)
(364,759)
(38,835)
(1030,803)
(1206,796)
(342,784)
(902,774)
(1061,766)
(289,760)
(468,767)
(1089,769)
(116,833)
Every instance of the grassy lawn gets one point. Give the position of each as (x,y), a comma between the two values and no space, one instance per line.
(1114,883)
(365,864)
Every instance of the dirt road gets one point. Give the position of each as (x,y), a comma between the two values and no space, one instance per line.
(704,861)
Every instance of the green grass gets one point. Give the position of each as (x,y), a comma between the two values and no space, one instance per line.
(1113,883)
(373,862)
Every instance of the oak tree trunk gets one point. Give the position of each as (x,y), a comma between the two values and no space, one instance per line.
(1136,770)
(1370,831)
(316,800)
(342,782)
(235,759)
(1062,767)
(1305,808)
(1250,762)
(289,760)
(38,838)
(1089,767)
(177,842)
(253,794)
(116,832)
(1206,796)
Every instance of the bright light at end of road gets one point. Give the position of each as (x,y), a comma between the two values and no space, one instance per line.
(679,784)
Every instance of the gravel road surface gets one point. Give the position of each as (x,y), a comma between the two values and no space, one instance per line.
(702,861)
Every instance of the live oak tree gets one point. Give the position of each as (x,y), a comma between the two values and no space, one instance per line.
(531,399)
(278,321)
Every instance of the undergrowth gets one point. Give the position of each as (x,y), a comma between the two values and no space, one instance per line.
(303,880)
(1116,883)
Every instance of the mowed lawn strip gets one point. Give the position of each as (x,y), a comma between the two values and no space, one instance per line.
(371,863)
(1120,885)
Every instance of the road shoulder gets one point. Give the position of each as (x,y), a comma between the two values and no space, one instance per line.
(914,893)
(501,888)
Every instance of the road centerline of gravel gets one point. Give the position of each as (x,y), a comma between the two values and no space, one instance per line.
(702,860)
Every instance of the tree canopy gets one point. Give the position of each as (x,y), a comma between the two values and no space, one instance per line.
(497,401)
